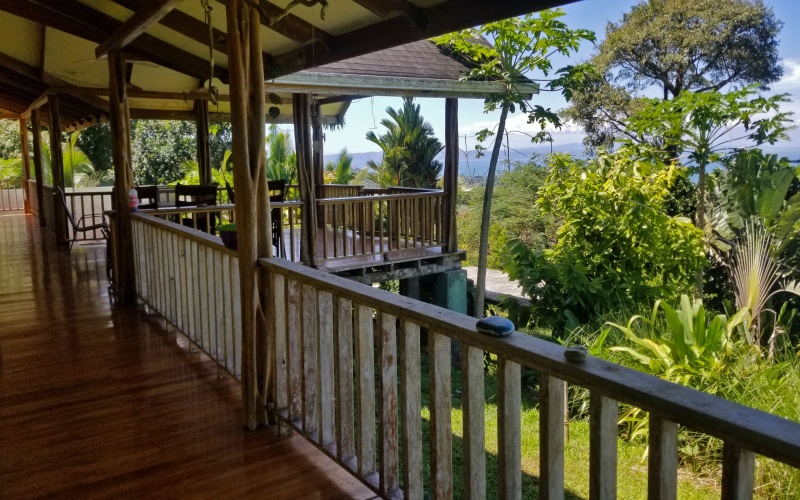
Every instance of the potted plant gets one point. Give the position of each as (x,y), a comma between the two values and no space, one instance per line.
(228,234)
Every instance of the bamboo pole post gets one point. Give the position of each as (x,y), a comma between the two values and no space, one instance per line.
(303,147)
(119,119)
(203,145)
(26,163)
(57,167)
(38,168)
(450,173)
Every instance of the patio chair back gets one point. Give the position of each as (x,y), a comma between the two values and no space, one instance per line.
(148,194)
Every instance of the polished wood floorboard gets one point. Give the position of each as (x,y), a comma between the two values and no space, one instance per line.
(102,402)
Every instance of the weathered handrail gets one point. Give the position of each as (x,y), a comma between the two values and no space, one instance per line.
(12,197)
(191,280)
(323,332)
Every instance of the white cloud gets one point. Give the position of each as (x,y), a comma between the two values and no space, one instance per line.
(791,77)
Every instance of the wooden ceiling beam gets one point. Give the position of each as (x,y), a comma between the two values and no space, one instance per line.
(149,14)
(291,26)
(445,17)
(186,25)
(84,22)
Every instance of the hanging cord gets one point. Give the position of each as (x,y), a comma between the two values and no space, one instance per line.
(207,14)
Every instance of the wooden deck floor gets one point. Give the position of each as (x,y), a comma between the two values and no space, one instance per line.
(101,402)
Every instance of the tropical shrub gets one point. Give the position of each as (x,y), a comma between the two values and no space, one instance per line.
(616,246)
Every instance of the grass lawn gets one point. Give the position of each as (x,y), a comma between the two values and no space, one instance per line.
(631,468)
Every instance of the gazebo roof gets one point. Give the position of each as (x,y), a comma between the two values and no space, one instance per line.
(52,46)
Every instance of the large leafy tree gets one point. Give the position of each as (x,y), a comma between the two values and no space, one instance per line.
(409,149)
(521,48)
(666,47)
(159,147)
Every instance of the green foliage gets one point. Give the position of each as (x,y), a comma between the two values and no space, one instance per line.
(702,125)
(616,246)
(521,46)
(341,171)
(409,150)
(514,214)
(10,172)
(673,46)
(95,141)
(159,147)
(281,158)
(9,139)
(78,169)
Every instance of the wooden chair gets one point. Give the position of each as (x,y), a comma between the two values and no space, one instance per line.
(80,225)
(149,193)
(197,196)
(277,193)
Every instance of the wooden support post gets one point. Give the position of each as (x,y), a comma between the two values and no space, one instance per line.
(38,168)
(57,167)
(450,173)
(26,162)
(203,145)
(303,140)
(317,157)
(119,119)
(246,70)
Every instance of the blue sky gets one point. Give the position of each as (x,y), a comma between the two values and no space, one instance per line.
(366,114)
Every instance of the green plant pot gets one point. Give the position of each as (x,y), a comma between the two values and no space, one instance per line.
(228,234)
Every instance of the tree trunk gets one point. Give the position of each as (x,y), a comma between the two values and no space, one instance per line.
(480,288)
(253,225)
(700,221)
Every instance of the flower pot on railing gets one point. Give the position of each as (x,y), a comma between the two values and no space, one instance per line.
(228,234)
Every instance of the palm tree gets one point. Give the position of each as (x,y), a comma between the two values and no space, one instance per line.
(409,149)
(281,157)
(340,172)
(78,168)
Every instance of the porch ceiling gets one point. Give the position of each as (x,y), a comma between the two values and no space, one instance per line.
(48,45)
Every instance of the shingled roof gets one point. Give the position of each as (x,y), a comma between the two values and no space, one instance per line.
(421,59)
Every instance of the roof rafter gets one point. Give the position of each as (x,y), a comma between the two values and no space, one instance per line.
(186,25)
(137,24)
(444,17)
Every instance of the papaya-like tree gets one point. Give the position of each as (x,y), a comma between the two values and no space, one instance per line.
(521,50)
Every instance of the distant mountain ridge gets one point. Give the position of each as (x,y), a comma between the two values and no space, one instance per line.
(470,164)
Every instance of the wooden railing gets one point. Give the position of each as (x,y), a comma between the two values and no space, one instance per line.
(191,280)
(377,224)
(349,361)
(48,208)
(340,190)
(286,214)
(12,197)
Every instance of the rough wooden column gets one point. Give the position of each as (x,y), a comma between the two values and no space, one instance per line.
(26,162)
(38,167)
(57,168)
(119,120)
(203,145)
(302,138)
(317,163)
(253,225)
(450,173)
